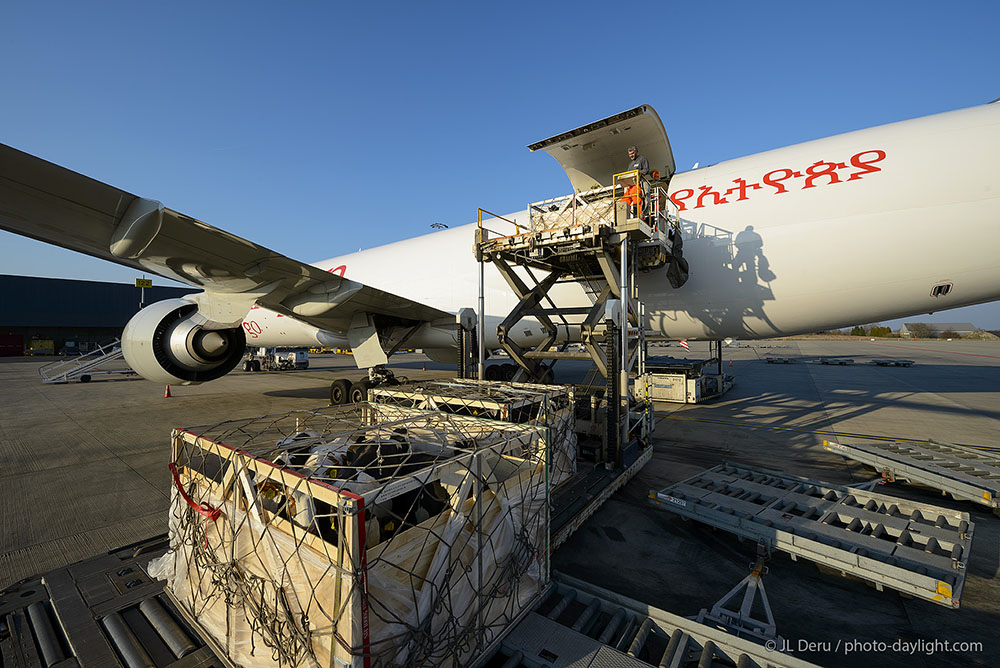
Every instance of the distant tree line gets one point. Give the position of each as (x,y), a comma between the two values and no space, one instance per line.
(875,329)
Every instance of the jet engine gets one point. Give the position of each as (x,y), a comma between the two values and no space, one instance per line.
(168,342)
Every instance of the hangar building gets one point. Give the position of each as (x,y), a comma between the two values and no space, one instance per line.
(937,328)
(76,316)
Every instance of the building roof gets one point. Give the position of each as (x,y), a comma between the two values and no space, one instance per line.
(943,326)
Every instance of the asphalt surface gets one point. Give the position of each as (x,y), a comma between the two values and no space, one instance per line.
(777,416)
(83,470)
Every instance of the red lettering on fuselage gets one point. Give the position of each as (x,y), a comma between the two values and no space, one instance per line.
(781,180)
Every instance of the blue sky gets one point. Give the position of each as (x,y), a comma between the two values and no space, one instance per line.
(320,128)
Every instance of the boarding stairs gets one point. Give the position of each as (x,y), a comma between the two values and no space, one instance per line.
(84,367)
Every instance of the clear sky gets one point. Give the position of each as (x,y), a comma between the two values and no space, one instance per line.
(318,128)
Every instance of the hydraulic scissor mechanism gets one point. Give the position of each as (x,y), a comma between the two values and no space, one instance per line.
(599,239)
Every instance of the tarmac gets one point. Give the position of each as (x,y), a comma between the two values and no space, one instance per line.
(84,471)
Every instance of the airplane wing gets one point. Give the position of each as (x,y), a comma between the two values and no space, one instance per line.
(47,202)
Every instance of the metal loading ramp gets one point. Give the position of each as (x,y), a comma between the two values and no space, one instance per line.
(914,548)
(584,626)
(965,473)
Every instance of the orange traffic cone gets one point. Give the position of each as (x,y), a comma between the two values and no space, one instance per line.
(166,392)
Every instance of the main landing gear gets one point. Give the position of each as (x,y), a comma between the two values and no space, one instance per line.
(343,391)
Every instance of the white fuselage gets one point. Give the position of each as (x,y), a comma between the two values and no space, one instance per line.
(849,229)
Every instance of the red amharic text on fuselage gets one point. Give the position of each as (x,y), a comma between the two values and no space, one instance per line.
(781,181)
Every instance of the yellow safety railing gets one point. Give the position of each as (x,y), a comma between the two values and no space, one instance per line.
(649,200)
(479,221)
(633,191)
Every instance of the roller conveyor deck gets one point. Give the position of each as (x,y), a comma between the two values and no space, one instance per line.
(963,472)
(584,626)
(914,548)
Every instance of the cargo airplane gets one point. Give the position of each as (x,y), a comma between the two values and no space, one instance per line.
(876,224)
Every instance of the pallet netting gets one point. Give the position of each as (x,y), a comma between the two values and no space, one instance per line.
(550,406)
(361,535)
(594,207)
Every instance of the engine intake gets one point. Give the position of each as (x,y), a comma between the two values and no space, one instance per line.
(167,342)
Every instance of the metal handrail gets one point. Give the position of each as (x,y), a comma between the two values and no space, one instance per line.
(60,368)
(649,193)
(479,216)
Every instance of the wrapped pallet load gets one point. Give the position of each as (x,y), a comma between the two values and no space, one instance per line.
(549,406)
(361,535)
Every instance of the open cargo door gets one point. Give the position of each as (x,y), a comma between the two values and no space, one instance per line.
(593,153)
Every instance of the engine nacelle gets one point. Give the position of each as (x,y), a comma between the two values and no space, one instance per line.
(167,342)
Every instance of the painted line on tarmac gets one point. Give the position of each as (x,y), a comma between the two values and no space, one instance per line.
(757,425)
(934,350)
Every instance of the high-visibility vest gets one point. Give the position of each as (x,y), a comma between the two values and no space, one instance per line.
(631,196)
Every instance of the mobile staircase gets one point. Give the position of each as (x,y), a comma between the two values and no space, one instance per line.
(84,367)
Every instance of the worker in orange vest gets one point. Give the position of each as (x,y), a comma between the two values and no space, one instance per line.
(631,198)
(638,163)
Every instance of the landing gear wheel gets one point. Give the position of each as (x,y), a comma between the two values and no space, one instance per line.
(255,365)
(247,366)
(493,372)
(340,390)
(507,371)
(359,391)
(85,378)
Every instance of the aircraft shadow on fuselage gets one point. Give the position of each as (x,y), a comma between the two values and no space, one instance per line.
(745,270)
(722,263)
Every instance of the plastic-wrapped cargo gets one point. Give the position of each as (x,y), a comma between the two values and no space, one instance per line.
(550,406)
(361,535)
(594,207)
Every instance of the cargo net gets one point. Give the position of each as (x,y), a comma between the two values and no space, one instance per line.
(549,406)
(360,535)
(593,207)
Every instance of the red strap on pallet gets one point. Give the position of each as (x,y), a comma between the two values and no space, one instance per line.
(203,508)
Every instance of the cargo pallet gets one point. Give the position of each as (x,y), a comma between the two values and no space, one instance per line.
(893,362)
(914,548)
(577,494)
(579,624)
(108,611)
(963,472)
